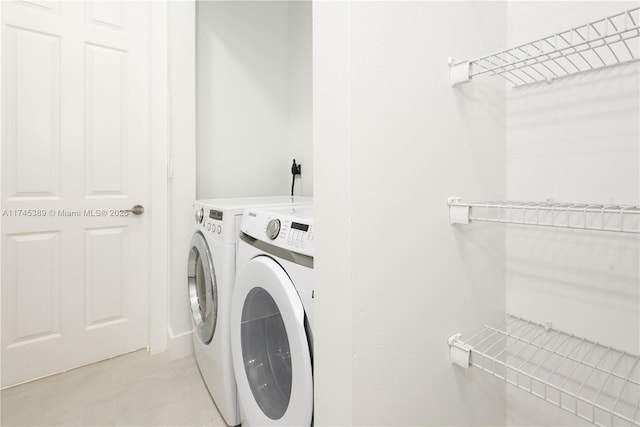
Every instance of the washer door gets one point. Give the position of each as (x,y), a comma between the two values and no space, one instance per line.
(271,355)
(203,294)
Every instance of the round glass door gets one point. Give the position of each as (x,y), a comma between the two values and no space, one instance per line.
(266,354)
(202,288)
(270,347)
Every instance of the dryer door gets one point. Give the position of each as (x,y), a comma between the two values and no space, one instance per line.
(271,354)
(203,294)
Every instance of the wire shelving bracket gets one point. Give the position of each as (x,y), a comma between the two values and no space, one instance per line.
(602,43)
(582,216)
(593,381)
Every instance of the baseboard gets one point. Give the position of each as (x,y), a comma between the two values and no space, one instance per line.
(180,345)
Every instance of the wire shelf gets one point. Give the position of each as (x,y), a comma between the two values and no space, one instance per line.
(583,216)
(592,381)
(602,43)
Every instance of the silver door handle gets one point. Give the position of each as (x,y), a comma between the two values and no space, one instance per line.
(136,210)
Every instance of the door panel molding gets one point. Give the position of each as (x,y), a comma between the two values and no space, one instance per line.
(106,119)
(104,281)
(35,150)
(106,14)
(32,294)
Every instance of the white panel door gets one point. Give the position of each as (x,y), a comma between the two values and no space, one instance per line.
(74,156)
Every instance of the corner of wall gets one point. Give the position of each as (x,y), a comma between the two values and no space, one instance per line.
(333,358)
(182,155)
(179,345)
(159,202)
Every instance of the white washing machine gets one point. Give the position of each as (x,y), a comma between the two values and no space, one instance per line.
(272,317)
(211,278)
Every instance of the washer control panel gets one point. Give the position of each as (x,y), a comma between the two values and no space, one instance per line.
(290,228)
(298,234)
(208,219)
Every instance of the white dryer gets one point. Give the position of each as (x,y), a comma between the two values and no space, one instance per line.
(272,317)
(211,278)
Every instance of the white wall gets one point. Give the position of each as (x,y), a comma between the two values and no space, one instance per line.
(300,100)
(159,201)
(253,95)
(182,146)
(575,140)
(333,386)
(392,141)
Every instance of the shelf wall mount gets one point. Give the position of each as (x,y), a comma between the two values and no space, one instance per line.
(459,212)
(459,352)
(459,72)
(602,43)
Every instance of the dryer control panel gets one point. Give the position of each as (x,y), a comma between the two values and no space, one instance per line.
(289,228)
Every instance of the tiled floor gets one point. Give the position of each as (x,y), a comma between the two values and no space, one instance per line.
(132,390)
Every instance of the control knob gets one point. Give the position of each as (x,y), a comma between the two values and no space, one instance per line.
(199,215)
(273,228)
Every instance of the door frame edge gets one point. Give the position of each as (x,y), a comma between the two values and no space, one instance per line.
(158,183)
